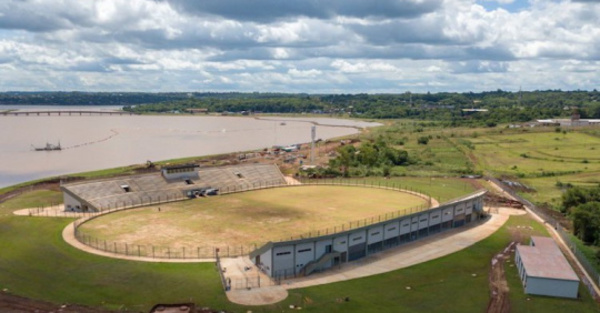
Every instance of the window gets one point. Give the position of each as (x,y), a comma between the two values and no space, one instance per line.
(390,229)
(424,220)
(375,233)
(305,250)
(435,216)
(283,253)
(357,238)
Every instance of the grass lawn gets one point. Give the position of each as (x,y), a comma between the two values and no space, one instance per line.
(33,199)
(547,191)
(260,216)
(531,154)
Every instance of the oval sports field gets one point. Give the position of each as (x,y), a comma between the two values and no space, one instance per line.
(248,218)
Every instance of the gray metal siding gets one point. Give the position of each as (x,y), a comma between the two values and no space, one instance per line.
(552,287)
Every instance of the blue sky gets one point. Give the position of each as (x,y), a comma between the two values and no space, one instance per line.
(312,46)
(508,5)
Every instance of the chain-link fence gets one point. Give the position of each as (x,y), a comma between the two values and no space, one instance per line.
(208,252)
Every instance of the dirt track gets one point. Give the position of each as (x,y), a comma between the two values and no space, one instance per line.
(499,291)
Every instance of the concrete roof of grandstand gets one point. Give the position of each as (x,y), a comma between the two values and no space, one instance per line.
(108,193)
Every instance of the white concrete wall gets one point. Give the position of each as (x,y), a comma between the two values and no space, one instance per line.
(283,258)
(391,230)
(435,217)
(405,226)
(321,245)
(267,265)
(447,214)
(469,208)
(423,221)
(70,202)
(552,287)
(375,234)
(305,252)
(414,223)
(357,237)
(340,244)
(459,209)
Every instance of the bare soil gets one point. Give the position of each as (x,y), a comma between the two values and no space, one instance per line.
(499,291)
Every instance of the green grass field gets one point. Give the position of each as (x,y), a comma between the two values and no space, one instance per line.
(33,199)
(245,219)
(537,154)
(36,263)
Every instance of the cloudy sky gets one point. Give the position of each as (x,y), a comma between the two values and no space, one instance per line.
(313,46)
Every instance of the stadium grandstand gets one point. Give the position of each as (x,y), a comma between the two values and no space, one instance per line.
(171,184)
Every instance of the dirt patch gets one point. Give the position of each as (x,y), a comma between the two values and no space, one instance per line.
(499,298)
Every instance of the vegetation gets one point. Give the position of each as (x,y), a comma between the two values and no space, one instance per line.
(583,205)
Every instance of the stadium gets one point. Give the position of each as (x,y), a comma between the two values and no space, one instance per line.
(274,260)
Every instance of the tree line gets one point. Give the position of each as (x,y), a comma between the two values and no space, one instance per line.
(502,106)
(583,206)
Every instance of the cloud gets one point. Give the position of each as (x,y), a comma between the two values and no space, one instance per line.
(272,10)
(305,46)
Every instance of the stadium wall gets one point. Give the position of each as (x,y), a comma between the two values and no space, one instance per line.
(302,257)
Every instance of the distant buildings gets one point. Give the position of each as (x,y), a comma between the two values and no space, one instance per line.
(574,121)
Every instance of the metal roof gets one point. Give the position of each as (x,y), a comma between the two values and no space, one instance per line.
(544,259)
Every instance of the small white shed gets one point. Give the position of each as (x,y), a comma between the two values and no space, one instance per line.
(544,270)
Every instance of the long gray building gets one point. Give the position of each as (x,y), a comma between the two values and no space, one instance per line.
(544,270)
(303,257)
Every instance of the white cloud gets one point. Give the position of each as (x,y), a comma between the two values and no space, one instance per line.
(360,46)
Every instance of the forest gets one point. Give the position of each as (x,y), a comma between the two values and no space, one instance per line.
(502,106)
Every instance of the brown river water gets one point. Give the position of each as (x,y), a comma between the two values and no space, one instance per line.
(98,142)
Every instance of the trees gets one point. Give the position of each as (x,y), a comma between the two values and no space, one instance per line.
(583,206)
(586,222)
(370,155)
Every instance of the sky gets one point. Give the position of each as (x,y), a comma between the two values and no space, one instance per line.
(299,46)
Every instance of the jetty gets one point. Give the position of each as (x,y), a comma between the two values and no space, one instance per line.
(66,113)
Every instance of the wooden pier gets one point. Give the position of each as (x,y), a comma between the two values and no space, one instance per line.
(65,113)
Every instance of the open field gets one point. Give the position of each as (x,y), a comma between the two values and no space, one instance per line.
(34,199)
(248,218)
(537,154)
(548,191)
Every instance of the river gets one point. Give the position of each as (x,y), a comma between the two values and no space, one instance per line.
(97,142)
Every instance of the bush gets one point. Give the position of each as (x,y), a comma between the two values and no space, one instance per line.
(423,140)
